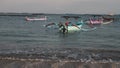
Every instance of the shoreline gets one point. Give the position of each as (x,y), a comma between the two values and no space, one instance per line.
(56,54)
(61,58)
(6,63)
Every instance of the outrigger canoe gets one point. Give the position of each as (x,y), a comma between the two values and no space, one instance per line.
(92,22)
(100,21)
(71,28)
(36,19)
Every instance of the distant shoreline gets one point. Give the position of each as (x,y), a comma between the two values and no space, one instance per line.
(30,14)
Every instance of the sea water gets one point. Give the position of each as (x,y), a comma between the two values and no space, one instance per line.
(18,36)
(16,32)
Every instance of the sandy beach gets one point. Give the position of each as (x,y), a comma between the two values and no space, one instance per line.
(55,64)
(63,58)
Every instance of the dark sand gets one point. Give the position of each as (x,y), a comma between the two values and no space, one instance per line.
(62,58)
(54,64)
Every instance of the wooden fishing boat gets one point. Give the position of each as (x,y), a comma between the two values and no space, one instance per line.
(99,22)
(35,19)
(71,28)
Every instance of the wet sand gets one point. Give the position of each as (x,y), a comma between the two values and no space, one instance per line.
(55,64)
(62,58)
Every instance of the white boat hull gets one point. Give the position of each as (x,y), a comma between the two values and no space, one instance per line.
(99,22)
(36,19)
(74,28)
(70,29)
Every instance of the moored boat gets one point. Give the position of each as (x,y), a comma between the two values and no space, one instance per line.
(71,28)
(35,19)
(99,22)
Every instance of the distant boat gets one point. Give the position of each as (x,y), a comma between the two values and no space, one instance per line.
(69,27)
(100,21)
(36,19)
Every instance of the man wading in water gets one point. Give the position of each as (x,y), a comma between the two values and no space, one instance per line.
(63,27)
